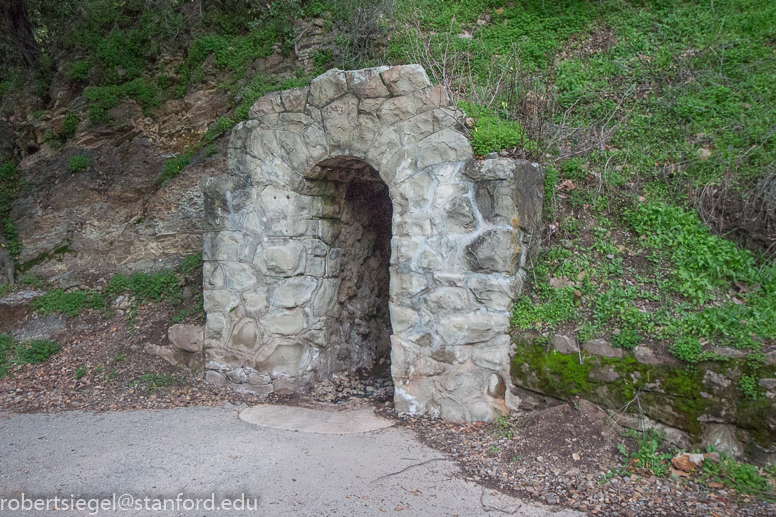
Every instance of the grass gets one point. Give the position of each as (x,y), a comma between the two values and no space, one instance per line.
(157,287)
(30,352)
(644,266)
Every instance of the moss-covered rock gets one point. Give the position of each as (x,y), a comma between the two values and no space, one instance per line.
(686,397)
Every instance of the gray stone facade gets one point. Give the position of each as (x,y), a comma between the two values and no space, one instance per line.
(307,273)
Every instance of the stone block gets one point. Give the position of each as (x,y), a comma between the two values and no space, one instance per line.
(327,87)
(270,103)
(219,301)
(256,300)
(294,292)
(444,146)
(325,301)
(295,100)
(405,79)
(367,83)
(239,276)
(285,259)
(494,251)
(477,327)
(284,322)
(460,216)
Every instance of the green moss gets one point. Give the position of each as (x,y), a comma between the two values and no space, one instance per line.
(753,415)
(562,376)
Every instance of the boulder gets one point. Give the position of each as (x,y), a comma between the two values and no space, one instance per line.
(645,355)
(187,337)
(723,438)
(565,345)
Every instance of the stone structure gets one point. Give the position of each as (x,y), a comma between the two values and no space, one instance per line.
(353,223)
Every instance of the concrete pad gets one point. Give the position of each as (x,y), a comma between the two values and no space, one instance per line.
(292,418)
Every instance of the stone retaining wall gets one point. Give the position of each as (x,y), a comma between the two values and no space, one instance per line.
(274,279)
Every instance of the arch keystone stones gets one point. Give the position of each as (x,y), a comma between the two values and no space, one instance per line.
(461,230)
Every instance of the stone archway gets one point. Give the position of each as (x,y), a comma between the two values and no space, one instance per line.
(461,229)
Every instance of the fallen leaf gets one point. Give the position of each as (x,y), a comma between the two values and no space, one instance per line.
(567,185)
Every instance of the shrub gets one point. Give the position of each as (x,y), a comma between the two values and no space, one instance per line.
(173,166)
(78,163)
(70,125)
(78,70)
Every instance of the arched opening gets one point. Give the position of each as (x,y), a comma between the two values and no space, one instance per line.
(362,242)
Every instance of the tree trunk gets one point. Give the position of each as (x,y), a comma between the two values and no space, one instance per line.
(19,28)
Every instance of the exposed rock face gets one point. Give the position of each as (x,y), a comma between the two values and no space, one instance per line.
(114,217)
(297,244)
(704,406)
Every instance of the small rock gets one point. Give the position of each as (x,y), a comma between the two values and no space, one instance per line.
(732,353)
(565,344)
(602,348)
(645,355)
(41,328)
(715,381)
(123,302)
(768,384)
(21,297)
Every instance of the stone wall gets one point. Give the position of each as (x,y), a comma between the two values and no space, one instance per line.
(281,303)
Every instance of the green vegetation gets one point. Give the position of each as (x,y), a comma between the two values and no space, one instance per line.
(80,372)
(78,163)
(61,302)
(173,167)
(598,91)
(153,381)
(31,352)
(9,189)
(647,455)
(158,287)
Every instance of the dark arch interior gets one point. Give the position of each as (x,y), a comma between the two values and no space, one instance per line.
(364,238)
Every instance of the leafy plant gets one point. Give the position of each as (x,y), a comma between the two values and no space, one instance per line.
(80,372)
(58,301)
(78,163)
(35,352)
(648,457)
(173,167)
(748,385)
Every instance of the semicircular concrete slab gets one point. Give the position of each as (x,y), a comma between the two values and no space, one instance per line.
(292,418)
